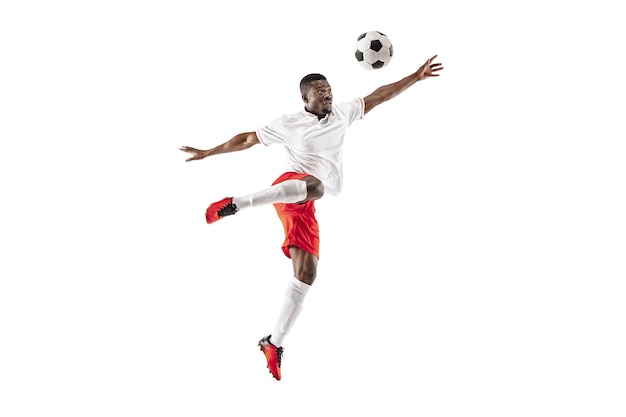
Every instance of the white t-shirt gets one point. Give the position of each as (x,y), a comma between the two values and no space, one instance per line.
(315,146)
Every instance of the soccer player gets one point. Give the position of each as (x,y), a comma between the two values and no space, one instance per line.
(312,139)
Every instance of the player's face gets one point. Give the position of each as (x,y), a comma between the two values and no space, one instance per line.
(319,99)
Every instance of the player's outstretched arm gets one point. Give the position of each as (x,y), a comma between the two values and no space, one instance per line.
(389,91)
(237,143)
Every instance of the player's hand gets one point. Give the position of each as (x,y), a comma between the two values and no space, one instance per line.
(196,153)
(429,69)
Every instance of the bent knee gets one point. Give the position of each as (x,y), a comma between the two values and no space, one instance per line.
(306,276)
(314,188)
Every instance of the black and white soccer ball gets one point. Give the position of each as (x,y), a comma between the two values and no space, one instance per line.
(373,50)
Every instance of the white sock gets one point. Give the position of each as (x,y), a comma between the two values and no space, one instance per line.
(292,306)
(290,191)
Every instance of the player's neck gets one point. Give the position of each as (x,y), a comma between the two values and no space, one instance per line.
(319,116)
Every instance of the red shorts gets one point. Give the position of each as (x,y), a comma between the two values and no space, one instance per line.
(299,221)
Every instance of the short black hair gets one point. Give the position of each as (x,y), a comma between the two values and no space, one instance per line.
(309,79)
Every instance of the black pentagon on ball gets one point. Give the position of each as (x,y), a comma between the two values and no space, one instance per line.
(359,56)
(376,45)
(361,37)
(391,51)
(378,64)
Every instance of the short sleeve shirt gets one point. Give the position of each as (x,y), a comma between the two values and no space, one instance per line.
(314,146)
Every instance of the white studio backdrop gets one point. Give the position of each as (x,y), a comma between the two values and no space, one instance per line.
(473,265)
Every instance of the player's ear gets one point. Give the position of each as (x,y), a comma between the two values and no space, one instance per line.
(305,98)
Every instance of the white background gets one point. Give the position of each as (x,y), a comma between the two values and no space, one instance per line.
(473,265)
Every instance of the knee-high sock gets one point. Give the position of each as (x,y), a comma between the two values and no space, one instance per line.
(290,191)
(292,306)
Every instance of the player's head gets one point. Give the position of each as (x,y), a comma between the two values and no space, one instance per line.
(308,79)
(316,94)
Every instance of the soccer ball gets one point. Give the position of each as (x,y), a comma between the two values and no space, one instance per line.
(373,50)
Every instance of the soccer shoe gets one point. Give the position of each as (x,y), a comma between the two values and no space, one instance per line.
(274,356)
(222,208)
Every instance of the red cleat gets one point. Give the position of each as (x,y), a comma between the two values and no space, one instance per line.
(220,209)
(274,356)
